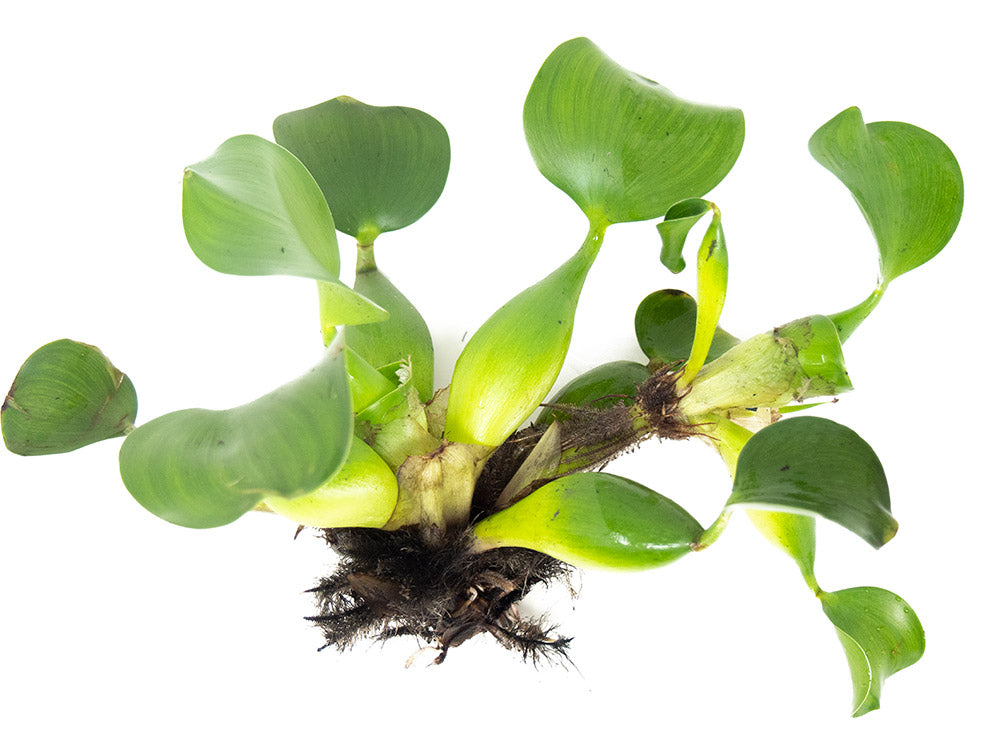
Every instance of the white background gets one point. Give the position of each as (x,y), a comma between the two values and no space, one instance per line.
(123,633)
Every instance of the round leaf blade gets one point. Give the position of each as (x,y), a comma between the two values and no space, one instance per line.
(814,465)
(379,168)
(620,145)
(905,180)
(203,468)
(66,395)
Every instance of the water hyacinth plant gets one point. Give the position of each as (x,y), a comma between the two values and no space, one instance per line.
(448,504)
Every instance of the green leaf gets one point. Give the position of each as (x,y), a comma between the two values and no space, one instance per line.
(713,268)
(906,182)
(65,396)
(813,465)
(595,519)
(366,383)
(251,208)
(362,492)
(881,635)
(340,305)
(396,402)
(674,229)
(404,336)
(621,146)
(908,185)
(665,326)
(203,468)
(379,168)
(599,388)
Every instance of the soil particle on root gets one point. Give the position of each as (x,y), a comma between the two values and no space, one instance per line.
(389,584)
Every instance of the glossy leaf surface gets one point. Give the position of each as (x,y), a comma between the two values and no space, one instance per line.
(620,145)
(665,326)
(512,361)
(814,465)
(379,168)
(203,468)
(905,180)
(595,519)
(65,396)
(713,269)
(793,533)
(881,635)
(601,387)
(362,492)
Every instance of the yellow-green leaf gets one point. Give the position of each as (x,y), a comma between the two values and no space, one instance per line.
(595,519)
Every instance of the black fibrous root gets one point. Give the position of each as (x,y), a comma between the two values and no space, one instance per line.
(390,584)
(658,400)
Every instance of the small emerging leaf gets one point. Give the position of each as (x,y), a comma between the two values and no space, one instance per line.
(595,519)
(813,465)
(676,225)
(340,305)
(620,145)
(366,383)
(65,396)
(881,635)
(713,269)
(203,468)
(379,168)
